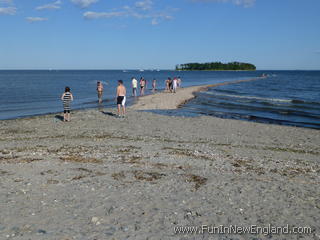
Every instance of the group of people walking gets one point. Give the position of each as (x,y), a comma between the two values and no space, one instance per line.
(171,85)
(143,86)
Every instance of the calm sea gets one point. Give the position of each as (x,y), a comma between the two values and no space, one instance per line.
(284,97)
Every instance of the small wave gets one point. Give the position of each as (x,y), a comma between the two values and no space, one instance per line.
(250,97)
(297,101)
(103,82)
(225,91)
(237,107)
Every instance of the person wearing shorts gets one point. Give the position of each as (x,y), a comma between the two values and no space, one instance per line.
(174,85)
(66,98)
(100,91)
(134,87)
(170,84)
(121,99)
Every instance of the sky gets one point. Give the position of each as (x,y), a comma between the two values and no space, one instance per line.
(144,34)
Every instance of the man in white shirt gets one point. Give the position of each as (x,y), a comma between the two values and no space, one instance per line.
(134,87)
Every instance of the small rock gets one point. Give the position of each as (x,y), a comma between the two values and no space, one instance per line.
(94,220)
(41,231)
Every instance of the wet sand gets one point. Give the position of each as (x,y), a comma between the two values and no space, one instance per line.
(100,177)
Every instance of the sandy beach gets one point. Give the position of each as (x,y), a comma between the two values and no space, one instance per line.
(100,177)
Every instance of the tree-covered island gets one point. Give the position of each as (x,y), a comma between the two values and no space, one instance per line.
(216,66)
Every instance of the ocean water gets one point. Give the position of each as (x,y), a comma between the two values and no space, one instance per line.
(28,93)
(284,97)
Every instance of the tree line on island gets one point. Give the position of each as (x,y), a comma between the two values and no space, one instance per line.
(216,66)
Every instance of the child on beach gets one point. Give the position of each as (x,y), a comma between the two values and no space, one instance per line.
(121,98)
(66,98)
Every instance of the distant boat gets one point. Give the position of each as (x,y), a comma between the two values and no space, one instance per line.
(158,70)
(124,71)
(141,70)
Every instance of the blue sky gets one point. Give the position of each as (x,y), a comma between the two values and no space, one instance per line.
(127,34)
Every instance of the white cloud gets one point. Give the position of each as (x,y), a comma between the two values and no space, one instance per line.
(96,15)
(144,5)
(54,5)
(36,19)
(84,3)
(8,11)
(244,3)
(140,10)
(6,1)
(154,21)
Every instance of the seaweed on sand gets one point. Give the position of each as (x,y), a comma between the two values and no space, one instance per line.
(197,180)
(189,153)
(79,159)
(118,176)
(147,176)
(16,159)
(52,181)
(3,172)
(240,164)
(131,159)
(86,173)
(295,171)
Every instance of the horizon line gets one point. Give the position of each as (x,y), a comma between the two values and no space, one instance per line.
(139,69)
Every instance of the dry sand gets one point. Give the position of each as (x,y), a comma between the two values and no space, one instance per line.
(99,177)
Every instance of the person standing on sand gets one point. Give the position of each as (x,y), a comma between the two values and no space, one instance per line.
(142,86)
(174,85)
(179,82)
(168,84)
(121,98)
(100,91)
(134,87)
(66,98)
(154,82)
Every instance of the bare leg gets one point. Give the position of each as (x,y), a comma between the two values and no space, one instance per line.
(119,109)
(100,97)
(64,117)
(123,110)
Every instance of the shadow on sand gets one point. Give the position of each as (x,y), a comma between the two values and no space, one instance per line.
(109,113)
(59,117)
